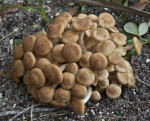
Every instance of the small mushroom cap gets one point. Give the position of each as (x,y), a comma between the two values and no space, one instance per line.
(106,20)
(67,15)
(62,95)
(61,20)
(68,80)
(115,57)
(16,79)
(106,47)
(37,77)
(79,91)
(39,34)
(113,91)
(99,89)
(57,104)
(72,52)
(82,24)
(43,46)
(46,94)
(101,75)
(115,81)
(29,60)
(110,67)
(131,80)
(77,106)
(49,56)
(82,16)
(89,42)
(42,63)
(57,53)
(28,43)
(100,34)
(122,78)
(53,73)
(72,68)
(18,52)
(119,38)
(18,68)
(26,77)
(84,60)
(137,45)
(113,29)
(33,90)
(121,49)
(95,97)
(98,62)
(92,17)
(103,84)
(55,31)
(70,36)
(85,76)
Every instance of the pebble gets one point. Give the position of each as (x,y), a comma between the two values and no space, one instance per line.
(1,95)
(147,60)
(92,112)
(14,105)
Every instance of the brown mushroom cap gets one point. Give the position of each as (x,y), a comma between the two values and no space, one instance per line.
(70,36)
(119,38)
(103,84)
(95,97)
(18,68)
(113,29)
(98,62)
(72,68)
(67,15)
(37,77)
(49,56)
(28,43)
(82,16)
(26,77)
(101,75)
(29,60)
(60,20)
(72,52)
(39,34)
(68,80)
(57,53)
(131,80)
(46,94)
(85,76)
(121,49)
(122,78)
(100,34)
(18,52)
(53,73)
(84,60)
(57,104)
(137,45)
(42,63)
(33,90)
(113,91)
(43,46)
(92,17)
(79,91)
(110,67)
(89,42)
(82,24)
(62,95)
(106,47)
(106,20)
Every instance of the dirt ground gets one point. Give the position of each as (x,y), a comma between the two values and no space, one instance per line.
(132,105)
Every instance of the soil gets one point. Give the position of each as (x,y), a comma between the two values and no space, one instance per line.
(132,105)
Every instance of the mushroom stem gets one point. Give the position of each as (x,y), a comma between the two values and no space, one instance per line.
(89,93)
(129,47)
(81,42)
(63,67)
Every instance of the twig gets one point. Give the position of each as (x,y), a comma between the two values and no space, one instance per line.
(138,79)
(104,3)
(8,113)
(31,113)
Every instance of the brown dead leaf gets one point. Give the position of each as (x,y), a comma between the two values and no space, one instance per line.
(140,5)
(6,74)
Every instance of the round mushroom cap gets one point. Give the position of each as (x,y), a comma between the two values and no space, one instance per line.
(103,84)
(55,31)
(95,97)
(70,36)
(62,95)
(49,56)
(137,45)
(53,73)
(28,43)
(122,78)
(84,60)
(89,42)
(113,29)
(33,90)
(60,20)
(42,63)
(57,104)
(67,15)
(106,20)
(26,77)
(85,76)
(18,52)
(82,16)
(119,38)
(82,24)
(92,17)
(113,91)
(37,77)
(46,94)
(39,34)
(57,53)
(43,46)
(72,52)
(79,91)
(29,60)
(101,75)
(77,106)
(131,80)
(115,81)
(72,68)
(98,62)
(100,34)
(18,68)
(110,67)
(105,47)
(121,49)
(115,57)
(68,80)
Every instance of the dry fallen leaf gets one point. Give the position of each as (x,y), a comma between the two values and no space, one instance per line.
(140,5)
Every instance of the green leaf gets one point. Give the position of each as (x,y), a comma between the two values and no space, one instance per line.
(131,28)
(129,42)
(117,1)
(17,42)
(37,26)
(143,29)
(126,3)
(130,53)
(83,8)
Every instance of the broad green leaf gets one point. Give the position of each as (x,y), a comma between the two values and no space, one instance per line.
(126,3)
(83,8)
(143,29)
(131,28)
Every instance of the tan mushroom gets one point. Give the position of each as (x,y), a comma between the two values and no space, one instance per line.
(113,29)
(122,78)
(119,38)
(61,20)
(121,49)
(131,80)
(57,104)
(18,52)
(82,16)
(26,77)
(93,17)
(95,97)
(101,75)
(103,83)
(49,56)
(110,67)
(67,15)
(72,68)
(39,34)
(33,90)
(89,42)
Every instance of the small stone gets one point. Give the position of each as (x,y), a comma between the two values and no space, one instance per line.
(92,112)
(106,9)
(57,14)
(147,60)
(1,95)
(71,4)
(14,105)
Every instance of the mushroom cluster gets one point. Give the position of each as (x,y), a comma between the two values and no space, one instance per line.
(76,60)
